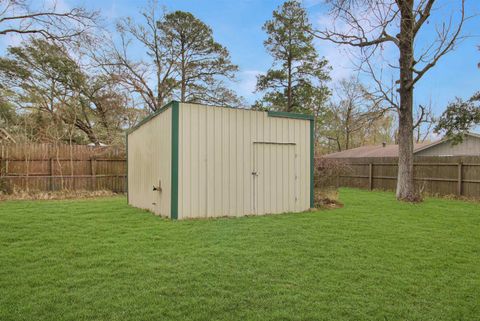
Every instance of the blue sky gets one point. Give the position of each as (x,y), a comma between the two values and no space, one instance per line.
(237,25)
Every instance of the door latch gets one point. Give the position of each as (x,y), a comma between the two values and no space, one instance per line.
(159,187)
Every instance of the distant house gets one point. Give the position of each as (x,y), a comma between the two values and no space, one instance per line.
(443,147)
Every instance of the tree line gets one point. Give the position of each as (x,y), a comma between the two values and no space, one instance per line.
(80,85)
(72,80)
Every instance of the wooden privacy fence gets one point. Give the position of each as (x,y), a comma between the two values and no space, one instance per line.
(445,175)
(43,167)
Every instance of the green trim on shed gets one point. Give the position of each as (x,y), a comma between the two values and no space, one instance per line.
(312,143)
(289,115)
(126,152)
(174,165)
(131,130)
(312,162)
(151,116)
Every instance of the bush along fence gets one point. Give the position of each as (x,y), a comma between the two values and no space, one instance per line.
(44,167)
(444,175)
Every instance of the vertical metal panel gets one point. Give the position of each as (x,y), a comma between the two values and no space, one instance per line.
(149,161)
(216,155)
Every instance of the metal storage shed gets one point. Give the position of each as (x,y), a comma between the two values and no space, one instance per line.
(192,161)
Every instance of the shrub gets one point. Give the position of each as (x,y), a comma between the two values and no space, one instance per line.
(5,187)
(18,194)
(327,171)
(326,198)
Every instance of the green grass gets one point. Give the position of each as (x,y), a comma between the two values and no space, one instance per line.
(374,259)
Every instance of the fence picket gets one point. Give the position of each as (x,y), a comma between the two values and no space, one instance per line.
(442,175)
(43,167)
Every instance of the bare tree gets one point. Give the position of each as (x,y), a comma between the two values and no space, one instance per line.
(182,59)
(371,26)
(351,116)
(42,76)
(355,108)
(424,122)
(150,77)
(19,17)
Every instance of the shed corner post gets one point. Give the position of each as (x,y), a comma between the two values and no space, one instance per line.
(312,160)
(174,166)
(126,157)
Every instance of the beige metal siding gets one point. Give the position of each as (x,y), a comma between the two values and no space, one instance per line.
(149,161)
(469,146)
(216,161)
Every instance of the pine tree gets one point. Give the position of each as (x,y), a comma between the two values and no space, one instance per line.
(296,64)
(201,62)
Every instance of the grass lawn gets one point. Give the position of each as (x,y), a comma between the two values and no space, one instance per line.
(374,259)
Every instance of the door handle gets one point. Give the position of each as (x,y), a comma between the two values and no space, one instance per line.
(255,173)
(159,187)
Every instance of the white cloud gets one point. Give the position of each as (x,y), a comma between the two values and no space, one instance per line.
(245,86)
(15,39)
(343,58)
(311,3)
(434,136)
(339,58)
(58,5)
(11,39)
(112,12)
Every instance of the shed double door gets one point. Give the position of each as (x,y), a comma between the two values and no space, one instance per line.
(274,178)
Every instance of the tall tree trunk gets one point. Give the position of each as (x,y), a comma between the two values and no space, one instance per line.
(347,127)
(405,185)
(289,84)
(183,71)
(347,140)
(183,86)
(161,89)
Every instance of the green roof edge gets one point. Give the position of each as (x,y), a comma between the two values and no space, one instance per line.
(289,115)
(151,116)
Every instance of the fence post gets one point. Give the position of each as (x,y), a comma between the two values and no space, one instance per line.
(50,171)
(3,167)
(2,160)
(4,170)
(459,184)
(370,176)
(93,173)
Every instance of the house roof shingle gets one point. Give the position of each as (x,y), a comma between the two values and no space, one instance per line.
(385,151)
(373,151)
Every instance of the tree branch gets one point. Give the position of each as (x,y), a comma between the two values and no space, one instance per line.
(442,49)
